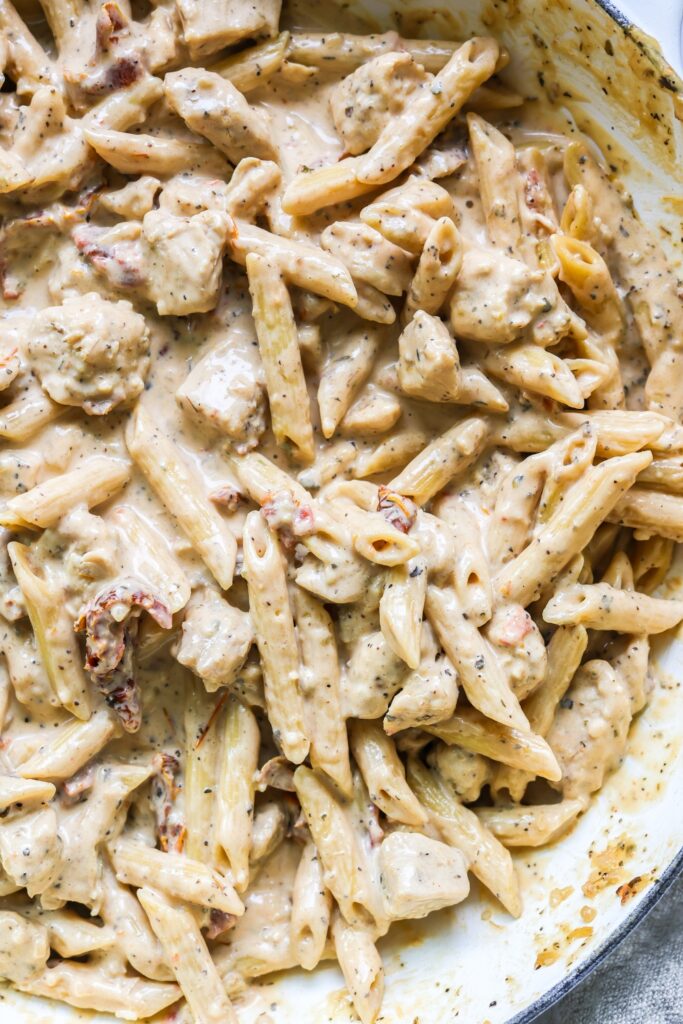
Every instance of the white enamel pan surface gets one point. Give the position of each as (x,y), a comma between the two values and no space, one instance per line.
(474,965)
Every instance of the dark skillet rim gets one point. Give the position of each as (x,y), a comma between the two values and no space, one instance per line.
(673,871)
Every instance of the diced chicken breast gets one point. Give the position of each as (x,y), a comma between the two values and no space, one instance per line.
(90,352)
(466,771)
(420,875)
(589,733)
(209,25)
(496,297)
(216,639)
(365,100)
(519,647)
(185,260)
(211,106)
(226,389)
(428,365)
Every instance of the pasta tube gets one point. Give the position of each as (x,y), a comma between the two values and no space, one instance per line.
(279,347)
(530,826)
(474,658)
(235,771)
(54,633)
(275,637)
(441,460)
(460,827)
(92,483)
(190,959)
(383,773)
(177,876)
(180,490)
(329,750)
(601,606)
(361,966)
(526,750)
(311,909)
(408,134)
(586,505)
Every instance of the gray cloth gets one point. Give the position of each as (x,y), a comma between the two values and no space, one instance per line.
(641,982)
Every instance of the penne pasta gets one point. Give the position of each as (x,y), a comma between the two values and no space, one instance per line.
(408,134)
(311,909)
(602,606)
(442,460)
(329,749)
(587,504)
(235,775)
(177,876)
(54,634)
(469,729)
(275,637)
(460,827)
(92,483)
(474,658)
(190,959)
(182,493)
(530,826)
(383,773)
(279,347)
(70,747)
(300,263)
(361,966)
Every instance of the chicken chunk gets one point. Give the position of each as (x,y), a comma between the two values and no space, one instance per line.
(428,365)
(466,771)
(519,646)
(589,733)
(378,90)
(185,260)
(497,297)
(24,947)
(226,389)
(210,25)
(216,639)
(132,201)
(211,106)
(420,875)
(90,352)
(50,155)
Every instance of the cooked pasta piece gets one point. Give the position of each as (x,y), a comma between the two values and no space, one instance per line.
(92,483)
(441,460)
(190,959)
(461,828)
(236,766)
(469,729)
(383,773)
(408,134)
(436,271)
(182,492)
(347,365)
(275,637)
(361,966)
(337,844)
(311,909)
(320,684)
(474,658)
(70,747)
(494,156)
(281,358)
(54,633)
(587,503)
(530,826)
(177,876)
(602,606)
